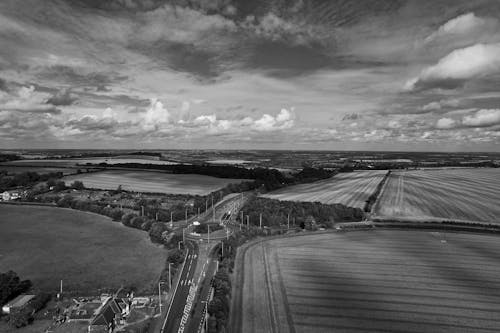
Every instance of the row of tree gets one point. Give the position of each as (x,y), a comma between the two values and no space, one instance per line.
(218,308)
(277,213)
(12,286)
(21,179)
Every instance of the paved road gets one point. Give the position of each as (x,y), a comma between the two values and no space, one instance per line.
(197,321)
(176,309)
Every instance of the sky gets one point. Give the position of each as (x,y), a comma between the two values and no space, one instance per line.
(407,75)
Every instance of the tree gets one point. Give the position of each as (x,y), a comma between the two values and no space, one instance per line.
(59,186)
(127,218)
(51,182)
(77,185)
(20,319)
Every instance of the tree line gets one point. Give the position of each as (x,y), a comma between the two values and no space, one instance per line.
(8,181)
(276,212)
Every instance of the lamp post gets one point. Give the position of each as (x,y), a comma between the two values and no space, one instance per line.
(159,290)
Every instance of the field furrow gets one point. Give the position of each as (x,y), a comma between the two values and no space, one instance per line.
(351,189)
(378,281)
(456,194)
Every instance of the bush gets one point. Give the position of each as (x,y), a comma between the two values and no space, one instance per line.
(77,185)
(59,186)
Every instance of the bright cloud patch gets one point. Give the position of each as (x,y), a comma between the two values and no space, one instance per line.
(445,123)
(459,25)
(483,118)
(459,66)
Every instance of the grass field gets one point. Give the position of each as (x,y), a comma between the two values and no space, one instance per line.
(371,281)
(351,189)
(87,251)
(457,194)
(151,181)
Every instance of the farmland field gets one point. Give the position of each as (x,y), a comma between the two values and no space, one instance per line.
(151,181)
(351,189)
(87,251)
(456,194)
(370,281)
(18,169)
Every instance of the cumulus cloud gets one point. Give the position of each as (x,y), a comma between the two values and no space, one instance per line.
(283,120)
(483,118)
(446,123)
(26,99)
(439,105)
(156,115)
(456,68)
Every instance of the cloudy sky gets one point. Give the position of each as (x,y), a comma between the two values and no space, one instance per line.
(299,74)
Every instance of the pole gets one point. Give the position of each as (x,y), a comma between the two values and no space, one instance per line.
(248,219)
(198,212)
(209,234)
(206,205)
(169,277)
(206,315)
(241,219)
(222,245)
(60,292)
(186,215)
(142,210)
(260,221)
(183,236)
(288,221)
(213,209)
(179,245)
(171,219)
(156,216)
(159,295)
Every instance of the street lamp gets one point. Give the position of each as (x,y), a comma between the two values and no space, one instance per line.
(159,291)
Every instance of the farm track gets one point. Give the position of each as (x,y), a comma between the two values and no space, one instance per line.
(377,281)
(460,194)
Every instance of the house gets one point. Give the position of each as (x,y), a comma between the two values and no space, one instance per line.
(84,311)
(17,303)
(7,196)
(112,313)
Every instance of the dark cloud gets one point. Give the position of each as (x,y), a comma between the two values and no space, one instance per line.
(62,98)
(448,84)
(35,108)
(184,57)
(69,75)
(350,116)
(3,85)
(88,123)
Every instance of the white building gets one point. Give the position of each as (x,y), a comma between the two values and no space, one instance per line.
(17,303)
(7,196)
